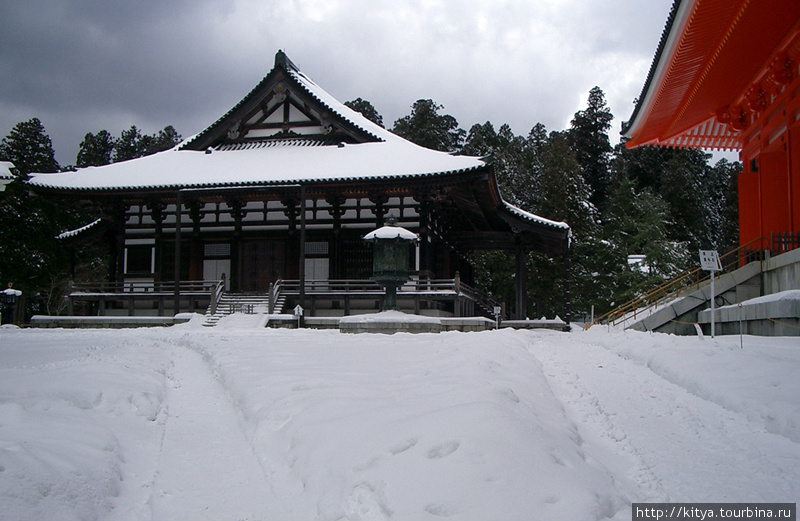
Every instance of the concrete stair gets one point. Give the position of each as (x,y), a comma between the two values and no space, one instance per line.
(248,303)
(678,316)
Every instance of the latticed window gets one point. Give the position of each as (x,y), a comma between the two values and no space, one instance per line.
(317,249)
(218,251)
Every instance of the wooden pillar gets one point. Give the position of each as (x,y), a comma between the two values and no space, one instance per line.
(195,208)
(567,296)
(157,213)
(118,257)
(176,302)
(302,267)
(336,211)
(237,212)
(521,283)
(116,240)
(424,239)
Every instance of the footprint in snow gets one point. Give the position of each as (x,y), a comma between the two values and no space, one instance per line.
(443,449)
(402,446)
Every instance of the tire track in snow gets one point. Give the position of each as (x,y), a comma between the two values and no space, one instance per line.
(664,443)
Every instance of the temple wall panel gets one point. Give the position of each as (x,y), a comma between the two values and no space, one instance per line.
(776,198)
(794,176)
(749,204)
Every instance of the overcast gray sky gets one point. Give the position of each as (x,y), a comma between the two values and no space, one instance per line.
(86,65)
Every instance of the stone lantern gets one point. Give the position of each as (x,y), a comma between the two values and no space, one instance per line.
(390,258)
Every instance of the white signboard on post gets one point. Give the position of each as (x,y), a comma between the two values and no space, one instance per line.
(709,261)
(298,313)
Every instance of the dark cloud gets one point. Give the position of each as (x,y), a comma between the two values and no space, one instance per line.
(83,66)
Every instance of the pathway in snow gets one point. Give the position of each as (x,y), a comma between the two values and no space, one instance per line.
(660,441)
(205,467)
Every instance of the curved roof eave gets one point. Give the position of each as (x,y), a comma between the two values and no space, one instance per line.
(719,68)
(43,181)
(669,39)
(536,219)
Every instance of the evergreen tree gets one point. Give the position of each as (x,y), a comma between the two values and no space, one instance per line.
(31,256)
(588,138)
(30,149)
(165,139)
(565,196)
(95,150)
(636,224)
(427,128)
(537,137)
(366,109)
(722,205)
(132,144)
(518,170)
(481,141)
(129,145)
(511,159)
(666,204)
(684,187)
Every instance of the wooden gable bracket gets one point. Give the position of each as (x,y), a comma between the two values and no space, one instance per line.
(280,106)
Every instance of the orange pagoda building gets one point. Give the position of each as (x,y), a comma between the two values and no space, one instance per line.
(726,76)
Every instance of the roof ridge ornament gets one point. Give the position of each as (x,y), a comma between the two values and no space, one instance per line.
(283,61)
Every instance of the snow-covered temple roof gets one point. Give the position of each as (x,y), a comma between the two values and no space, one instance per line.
(5,170)
(288,131)
(318,139)
(6,175)
(74,233)
(282,162)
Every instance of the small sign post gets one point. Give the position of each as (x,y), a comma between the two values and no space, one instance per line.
(497,312)
(298,312)
(709,261)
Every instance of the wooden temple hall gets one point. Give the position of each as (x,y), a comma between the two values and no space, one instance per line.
(268,206)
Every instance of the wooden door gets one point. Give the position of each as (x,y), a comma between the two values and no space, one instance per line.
(263,261)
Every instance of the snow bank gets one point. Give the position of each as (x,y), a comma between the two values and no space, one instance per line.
(792,294)
(252,423)
(757,378)
(373,427)
(448,425)
(73,408)
(392,316)
(679,419)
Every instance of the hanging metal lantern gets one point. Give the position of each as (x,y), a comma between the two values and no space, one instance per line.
(390,258)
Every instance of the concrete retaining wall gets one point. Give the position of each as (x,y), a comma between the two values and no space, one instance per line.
(107,322)
(778,274)
(782,273)
(778,315)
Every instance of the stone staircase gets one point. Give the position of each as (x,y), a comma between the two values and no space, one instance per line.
(248,303)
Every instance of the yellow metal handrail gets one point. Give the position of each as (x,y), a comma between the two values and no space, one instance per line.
(693,278)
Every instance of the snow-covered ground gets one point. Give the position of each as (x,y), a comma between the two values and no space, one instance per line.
(241,423)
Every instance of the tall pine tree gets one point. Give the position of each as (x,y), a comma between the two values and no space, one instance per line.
(427,128)
(132,144)
(366,109)
(31,256)
(588,138)
(565,196)
(95,149)
(30,149)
